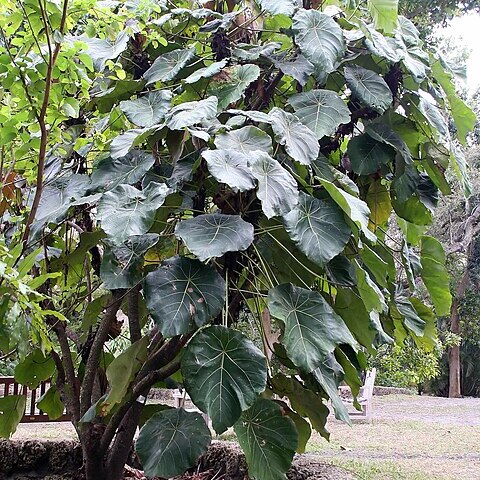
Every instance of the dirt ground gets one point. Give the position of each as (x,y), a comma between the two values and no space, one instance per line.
(409,438)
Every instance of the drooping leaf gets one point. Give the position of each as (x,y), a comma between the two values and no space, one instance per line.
(249,53)
(460,167)
(224,373)
(11,412)
(121,372)
(304,401)
(278,7)
(320,110)
(230,167)
(191,113)
(341,272)
(367,155)
(434,116)
(300,142)
(356,209)
(148,110)
(172,441)
(268,439)
(34,369)
(214,234)
(245,140)
(126,211)
(111,172)
(384,14)
(183,294)
(435,275)
(233,83)
(371,295)
(378,201)
(122,264)
(122,144)
(167,66)
(300,69)
(320,38)
(51,403)
(277,189)
(368,87)
(318,228)
(312,328)
(206,72)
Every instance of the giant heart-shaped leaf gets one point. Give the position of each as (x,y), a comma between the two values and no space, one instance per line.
(384,14)
(300,142)
(277,189)
(122,264)
(126,211)
(318,228)
(171,441)
(166,67)
(356,209)
(224,372)
(312,328)
(191,113)
(320,38)
(111,172)
(100,50)
(322,111)
(367,155)
(435,275)
(12,408)
(268,438)
(214,234)
(182,294)
(148,110)
(245,140)
(368,87)
(278,7)
(230,167)
(34,369)
(51,403)
(233,83)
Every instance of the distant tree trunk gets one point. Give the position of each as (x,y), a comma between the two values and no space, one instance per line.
(454,387)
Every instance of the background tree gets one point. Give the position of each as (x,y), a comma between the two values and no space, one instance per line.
(181,167)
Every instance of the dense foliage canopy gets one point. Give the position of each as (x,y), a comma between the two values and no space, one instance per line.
(190,164)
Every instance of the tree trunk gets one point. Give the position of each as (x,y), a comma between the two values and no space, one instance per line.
(454,386)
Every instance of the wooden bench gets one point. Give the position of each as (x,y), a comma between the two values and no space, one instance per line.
(364,397)
(8,386)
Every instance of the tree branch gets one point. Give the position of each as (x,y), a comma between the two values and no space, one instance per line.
(133,314)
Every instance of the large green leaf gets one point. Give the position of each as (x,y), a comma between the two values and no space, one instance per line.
(370,293)
(122,264)
(230,167)
(268,439)
(460,168)
(11,412)
(300,69)
(171,441)
(191,113)
(318,228)
(111,172)
(206,72)
(320,38)
(51,403)
(312,328)
(277,189)
(123,143)
(34,369)
(126,211)
(245,140)
(166,67)
(435,275)
(367,155)
(384,14)
(224,372)
(278,7)
(304,401)
(320,110)
(148,110)
(368,87)
(121,372)
(100,50)
(233,83)
(356,209)
(300,142)
(214,234)
(183,293)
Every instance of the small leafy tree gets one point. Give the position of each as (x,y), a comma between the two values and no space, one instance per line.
(187,166)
